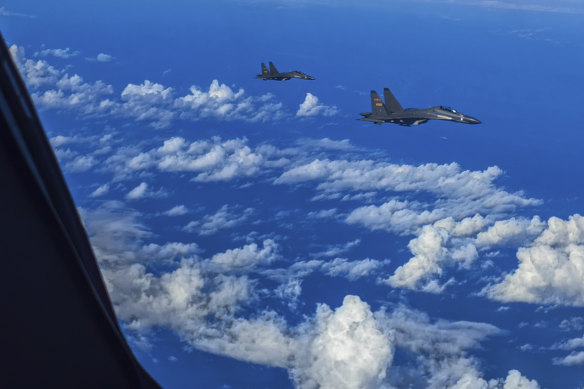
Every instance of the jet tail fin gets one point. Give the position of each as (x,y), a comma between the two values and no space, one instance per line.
(391,102)
(377,106)
(264,69)
(273,68)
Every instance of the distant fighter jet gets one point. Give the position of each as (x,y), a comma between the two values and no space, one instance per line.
(392,112)
(273,74)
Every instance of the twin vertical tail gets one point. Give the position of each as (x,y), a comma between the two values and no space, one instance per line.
(264,69)
(377,106)
(273,69)
(391,102)
(391,105)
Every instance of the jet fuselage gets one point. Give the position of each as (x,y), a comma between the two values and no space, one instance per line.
(415,116)
(391,111)
(274,74)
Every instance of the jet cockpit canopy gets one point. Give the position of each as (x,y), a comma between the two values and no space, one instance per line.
(450,109)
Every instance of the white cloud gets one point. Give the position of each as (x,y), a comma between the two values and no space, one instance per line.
(115,232)
(100,191)
(575,323)
(201,306)
(222,102)
(223,218)
(72,92)
(323,213)
(327,143)
(352,270)
(59,53)
(143,191)
(512,229)
(337,249)
(177,210)
(61,140)
(311,107)
(35,73)
(101,57)
(459,193)
(147,92)
(445,224)
(573,359)
(150,102)
(551,270)
(81,163)
(571,344)
(514,380)
(246,258)
(210,160)
(328,354)
(138,192)
(428,249)
(5,12)
(444,243)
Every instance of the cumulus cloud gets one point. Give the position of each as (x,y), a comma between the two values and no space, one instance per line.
(150,102)
(574,359)
(514,380)
(225,217)
(440,346)
(311,107)
(35,73)
(220,101)
(81,163)
(64,91)
(202,307)
(551,270)
(245,258)
(457,193)
(209,160)
(512,229)
(102,57)
(327,357)
(571,344)
(438,245)
(446,221)
(61,140)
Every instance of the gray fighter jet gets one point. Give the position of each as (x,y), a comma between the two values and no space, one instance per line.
(392,112)
(274,74)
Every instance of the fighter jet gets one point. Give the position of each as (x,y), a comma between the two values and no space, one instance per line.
(274,74)
(392,112)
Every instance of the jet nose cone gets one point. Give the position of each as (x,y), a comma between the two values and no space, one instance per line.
(471,120)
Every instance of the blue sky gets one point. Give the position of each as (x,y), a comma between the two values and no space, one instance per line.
(249,242)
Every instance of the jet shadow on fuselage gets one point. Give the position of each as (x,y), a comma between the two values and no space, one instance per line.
(392,112)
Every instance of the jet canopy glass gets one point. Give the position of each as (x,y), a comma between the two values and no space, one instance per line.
(448,109)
